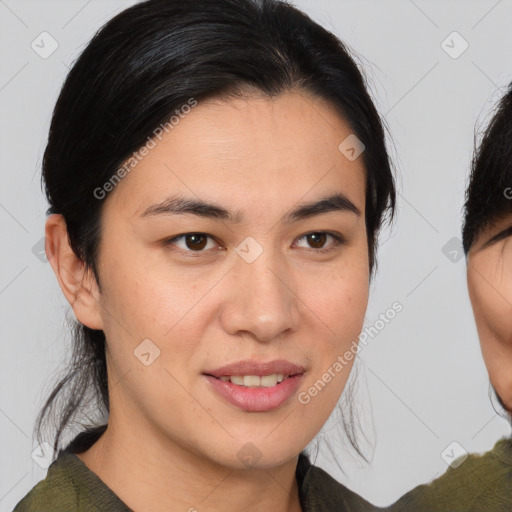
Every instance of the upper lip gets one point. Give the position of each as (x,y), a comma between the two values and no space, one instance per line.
(251,367)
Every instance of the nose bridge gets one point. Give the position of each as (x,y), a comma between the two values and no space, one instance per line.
(263,302)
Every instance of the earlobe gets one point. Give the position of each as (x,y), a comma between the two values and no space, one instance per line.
(77,284)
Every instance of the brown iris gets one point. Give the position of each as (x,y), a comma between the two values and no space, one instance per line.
(318,238)
(196,241)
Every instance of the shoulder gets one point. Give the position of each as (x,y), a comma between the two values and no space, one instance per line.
(70,486)
(321,492)
(56,492)
(479,482)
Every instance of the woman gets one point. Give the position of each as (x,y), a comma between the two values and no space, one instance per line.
(217,176)
(484,482)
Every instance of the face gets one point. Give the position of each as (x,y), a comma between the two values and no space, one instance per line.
(259,279)
(490,290)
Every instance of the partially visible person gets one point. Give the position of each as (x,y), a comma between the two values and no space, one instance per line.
(483,483)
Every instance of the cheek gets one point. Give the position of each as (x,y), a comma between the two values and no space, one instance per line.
(344,307)
(145,296)
(339,305)
(491,300)
(344,299)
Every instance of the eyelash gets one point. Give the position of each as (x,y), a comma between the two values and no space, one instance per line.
(338,240)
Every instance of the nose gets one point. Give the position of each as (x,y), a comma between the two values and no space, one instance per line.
(261,300)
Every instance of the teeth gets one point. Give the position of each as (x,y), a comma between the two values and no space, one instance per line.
(251,381)
(268,381)
(254,381)
(237,380)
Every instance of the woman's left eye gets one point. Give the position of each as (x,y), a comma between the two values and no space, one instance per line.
(198,242)
(318,238)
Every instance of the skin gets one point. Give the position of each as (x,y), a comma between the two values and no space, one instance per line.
(489,273)
(172,442)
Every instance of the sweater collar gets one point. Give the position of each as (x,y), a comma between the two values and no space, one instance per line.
(105,498)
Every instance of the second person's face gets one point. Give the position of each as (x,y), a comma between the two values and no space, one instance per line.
(489,274)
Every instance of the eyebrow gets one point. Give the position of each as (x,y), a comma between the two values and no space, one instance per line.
(505,233)
(176,205)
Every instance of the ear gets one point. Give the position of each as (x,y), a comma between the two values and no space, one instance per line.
(78,285)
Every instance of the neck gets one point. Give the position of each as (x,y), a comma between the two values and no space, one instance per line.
(147,474)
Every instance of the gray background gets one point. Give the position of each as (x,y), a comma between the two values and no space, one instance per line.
(421,382)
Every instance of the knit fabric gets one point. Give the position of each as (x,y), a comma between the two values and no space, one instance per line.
(482,483)
(70,486)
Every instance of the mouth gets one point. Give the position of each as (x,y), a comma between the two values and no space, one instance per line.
(250,371)
(254,381)
(256,387)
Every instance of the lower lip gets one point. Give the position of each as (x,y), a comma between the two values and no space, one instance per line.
(256,399)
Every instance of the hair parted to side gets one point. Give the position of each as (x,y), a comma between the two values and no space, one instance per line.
(142,66)
(487,199)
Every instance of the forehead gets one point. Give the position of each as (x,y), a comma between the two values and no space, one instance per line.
(257,148)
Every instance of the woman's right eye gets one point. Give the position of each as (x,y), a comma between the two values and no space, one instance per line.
(190,242)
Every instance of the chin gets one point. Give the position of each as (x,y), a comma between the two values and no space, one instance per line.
(256,455)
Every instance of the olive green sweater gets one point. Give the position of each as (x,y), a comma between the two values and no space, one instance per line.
(482,483)
(71,486)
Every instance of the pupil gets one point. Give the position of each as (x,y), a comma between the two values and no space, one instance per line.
(320,239)
(196,244)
